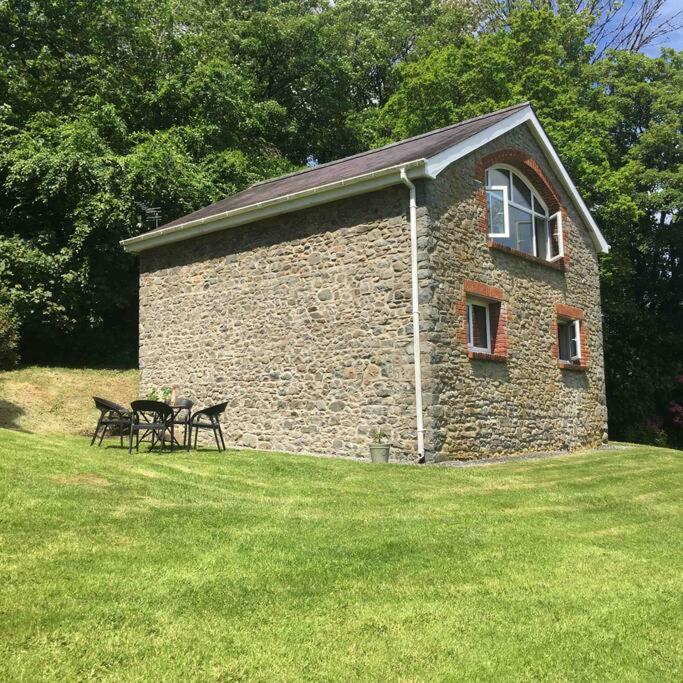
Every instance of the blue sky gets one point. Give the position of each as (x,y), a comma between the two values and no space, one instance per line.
(674,40)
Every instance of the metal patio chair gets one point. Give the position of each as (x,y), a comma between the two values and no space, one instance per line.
(112,415)
(208,418)
(154,419)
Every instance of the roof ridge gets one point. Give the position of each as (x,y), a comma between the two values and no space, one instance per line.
(391,144)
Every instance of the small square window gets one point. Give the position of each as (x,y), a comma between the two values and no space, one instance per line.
(569,340)
(478,326)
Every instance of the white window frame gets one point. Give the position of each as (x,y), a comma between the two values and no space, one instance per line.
(533,212)
(575,330)
(470,326)
(506,211)
(560,236)
(576,326)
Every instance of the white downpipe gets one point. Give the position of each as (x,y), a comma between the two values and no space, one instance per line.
(416,315)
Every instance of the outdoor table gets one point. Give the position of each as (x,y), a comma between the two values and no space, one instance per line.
(184,421)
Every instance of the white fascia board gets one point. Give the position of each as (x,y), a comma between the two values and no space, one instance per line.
(440,161)
(367,182)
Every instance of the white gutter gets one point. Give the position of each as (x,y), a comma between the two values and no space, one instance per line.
(295,201)
(416,315)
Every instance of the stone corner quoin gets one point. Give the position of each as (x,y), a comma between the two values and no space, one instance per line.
(302,322)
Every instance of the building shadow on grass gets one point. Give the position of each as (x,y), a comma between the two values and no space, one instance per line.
(9,413)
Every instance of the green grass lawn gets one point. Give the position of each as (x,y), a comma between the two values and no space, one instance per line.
(273,567)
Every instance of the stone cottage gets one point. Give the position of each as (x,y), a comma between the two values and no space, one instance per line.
(443,289)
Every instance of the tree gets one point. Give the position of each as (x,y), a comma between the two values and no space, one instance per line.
(113,106)
(617,125)
(640,212)
(614,24)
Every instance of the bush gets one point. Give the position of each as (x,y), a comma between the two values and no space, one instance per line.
(9,338)
(650,433)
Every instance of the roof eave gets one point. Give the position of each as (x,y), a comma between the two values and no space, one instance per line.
(369,182)
(322,194)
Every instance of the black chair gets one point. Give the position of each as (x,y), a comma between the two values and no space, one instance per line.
(153,419)
(183,405)
(111,415)
(208,418)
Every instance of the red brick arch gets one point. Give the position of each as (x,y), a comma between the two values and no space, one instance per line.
(529,167)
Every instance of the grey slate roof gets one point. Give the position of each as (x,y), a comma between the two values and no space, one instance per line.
(411,149)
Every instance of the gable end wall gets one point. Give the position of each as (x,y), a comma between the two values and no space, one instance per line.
(525,401)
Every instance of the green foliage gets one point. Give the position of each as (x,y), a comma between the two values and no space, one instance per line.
(110,107)
(162,394)
(9,336)
(639,204)
(650,434)
(378,436)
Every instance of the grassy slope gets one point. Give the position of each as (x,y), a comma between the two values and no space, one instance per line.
(266,567)
(58,400)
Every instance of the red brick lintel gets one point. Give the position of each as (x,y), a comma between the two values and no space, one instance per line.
(571,312)
(484,291)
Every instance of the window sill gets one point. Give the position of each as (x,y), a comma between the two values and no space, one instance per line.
(493,357)
(574,367)
(558,265)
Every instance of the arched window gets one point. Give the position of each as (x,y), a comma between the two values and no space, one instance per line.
(518,217)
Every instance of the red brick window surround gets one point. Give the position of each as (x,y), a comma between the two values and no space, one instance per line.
(526,172)
(570,338)
(483,313)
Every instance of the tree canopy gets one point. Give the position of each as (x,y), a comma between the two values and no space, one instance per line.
(112,107)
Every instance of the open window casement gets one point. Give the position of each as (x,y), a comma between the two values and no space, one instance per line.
(555,237)
(499,213)
(575,340)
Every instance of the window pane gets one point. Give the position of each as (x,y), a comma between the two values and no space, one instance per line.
(563,340)
(480,332)
(521,230)
(553,225)
(495,203)
(499,176)
(541,226)
(521,193)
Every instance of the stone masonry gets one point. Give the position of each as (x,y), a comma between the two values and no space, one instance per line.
(303,324)
(522,401)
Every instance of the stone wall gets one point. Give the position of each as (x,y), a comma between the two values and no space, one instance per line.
(525,401)
(302,323)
